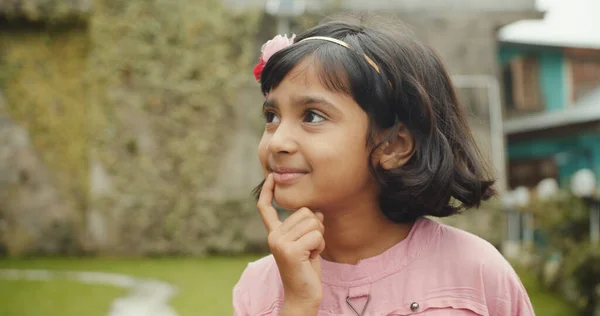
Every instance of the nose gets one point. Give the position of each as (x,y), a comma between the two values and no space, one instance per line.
(283,140)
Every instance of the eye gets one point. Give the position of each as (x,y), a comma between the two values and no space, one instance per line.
(270,117)
(313,117)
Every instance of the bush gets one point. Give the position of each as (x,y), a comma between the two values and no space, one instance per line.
(564,223)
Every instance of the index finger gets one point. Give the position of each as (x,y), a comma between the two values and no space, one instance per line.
(265,205)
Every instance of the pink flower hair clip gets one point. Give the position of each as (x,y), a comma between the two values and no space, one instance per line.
(269,49)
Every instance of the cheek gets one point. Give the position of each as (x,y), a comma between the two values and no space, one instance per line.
(263,153)
(341,157)
(340,174)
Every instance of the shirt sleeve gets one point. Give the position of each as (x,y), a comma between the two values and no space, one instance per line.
(510,296)
(242,305)
(240,302)
(258,291)
(521,306)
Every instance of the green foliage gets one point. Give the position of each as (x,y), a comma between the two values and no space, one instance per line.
(544,301)
(145,90)
(54,11)
(231,218)
(583,267)
(45,91)
(166,74)
(564,221)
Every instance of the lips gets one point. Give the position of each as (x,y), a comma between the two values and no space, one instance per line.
(287,175)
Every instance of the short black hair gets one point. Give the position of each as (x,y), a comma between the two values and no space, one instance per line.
(447,172)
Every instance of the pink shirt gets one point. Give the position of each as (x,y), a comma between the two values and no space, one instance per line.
(437,270)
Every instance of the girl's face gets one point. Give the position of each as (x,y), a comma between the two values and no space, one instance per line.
(315,144)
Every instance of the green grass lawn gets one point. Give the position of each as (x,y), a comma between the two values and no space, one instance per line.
(205,286)
(544,303)
(58,297)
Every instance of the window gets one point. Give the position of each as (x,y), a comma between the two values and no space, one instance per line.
(585,76)
(522,84)
(529,172)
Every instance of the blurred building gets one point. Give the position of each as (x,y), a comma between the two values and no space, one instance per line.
(551,86)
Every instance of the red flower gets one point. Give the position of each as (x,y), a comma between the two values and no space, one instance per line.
(269,49)
(258,69)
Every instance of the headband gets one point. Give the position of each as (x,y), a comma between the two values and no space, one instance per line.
(280,42)
(342,43)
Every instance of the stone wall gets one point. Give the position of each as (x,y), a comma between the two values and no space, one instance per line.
(165,117)
(34,214)
(133,122)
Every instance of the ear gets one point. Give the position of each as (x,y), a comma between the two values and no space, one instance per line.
(398,149)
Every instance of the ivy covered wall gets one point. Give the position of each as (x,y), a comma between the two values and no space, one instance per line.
(132,112)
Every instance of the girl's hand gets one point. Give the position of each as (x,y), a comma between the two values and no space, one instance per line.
(296,244)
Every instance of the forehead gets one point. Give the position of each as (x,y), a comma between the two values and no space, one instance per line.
(308,77)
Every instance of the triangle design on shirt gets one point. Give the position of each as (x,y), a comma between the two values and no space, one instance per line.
(354,309)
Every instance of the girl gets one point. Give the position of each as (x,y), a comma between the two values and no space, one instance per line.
(364,137)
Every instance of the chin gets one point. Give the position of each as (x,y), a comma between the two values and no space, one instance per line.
(291,201)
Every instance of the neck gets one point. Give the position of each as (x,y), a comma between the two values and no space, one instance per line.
(359,232)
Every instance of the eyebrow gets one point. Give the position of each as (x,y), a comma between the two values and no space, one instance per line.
(305,100)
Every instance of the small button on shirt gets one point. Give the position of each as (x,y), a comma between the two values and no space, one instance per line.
(436,270)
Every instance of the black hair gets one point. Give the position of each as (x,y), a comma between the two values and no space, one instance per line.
(446,172)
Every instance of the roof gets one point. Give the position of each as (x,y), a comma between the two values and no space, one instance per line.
(45,10)
(586,110)
(572,23)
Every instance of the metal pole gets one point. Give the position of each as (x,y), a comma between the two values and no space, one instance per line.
(283,25)
(497,137)
(528,229)
(495,119)
(511,244)
(517,231)
(514,226)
